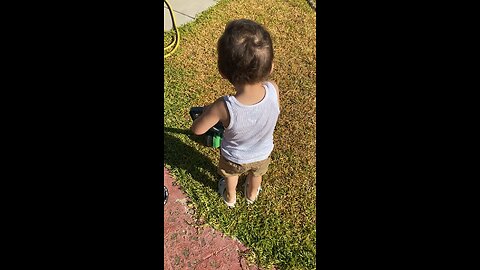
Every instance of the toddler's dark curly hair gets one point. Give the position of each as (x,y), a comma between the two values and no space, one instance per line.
(245,52)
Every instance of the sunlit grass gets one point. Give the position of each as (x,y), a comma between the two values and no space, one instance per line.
(280,227)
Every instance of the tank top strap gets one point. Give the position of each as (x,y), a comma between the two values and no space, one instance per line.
(272,93)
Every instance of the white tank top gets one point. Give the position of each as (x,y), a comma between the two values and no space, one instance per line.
(249,136)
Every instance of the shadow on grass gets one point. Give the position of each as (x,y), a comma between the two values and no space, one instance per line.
(179,155)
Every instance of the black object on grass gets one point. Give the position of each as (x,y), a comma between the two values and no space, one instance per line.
(165,195)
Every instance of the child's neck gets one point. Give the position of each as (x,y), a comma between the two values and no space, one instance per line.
(250,94)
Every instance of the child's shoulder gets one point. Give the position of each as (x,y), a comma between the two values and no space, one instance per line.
(219,102)
(277,91)
(220,107)
(274,85)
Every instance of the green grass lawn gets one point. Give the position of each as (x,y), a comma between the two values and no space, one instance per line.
(280,228)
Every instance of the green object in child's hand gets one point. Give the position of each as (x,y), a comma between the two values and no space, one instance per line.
(216,141)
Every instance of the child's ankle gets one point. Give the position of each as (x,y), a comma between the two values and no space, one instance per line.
(230,198)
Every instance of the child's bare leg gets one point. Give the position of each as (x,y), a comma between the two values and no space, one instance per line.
(253,185)
(231,186)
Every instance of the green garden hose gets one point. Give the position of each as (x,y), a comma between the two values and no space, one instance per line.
(176,39)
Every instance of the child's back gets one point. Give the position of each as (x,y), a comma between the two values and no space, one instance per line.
(245,58)
(249,135)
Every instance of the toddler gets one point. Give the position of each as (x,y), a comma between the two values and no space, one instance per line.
(245,59)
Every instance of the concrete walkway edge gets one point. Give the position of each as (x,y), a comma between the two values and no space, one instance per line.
(185,11)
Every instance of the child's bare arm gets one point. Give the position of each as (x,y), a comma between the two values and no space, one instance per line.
(210,116)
